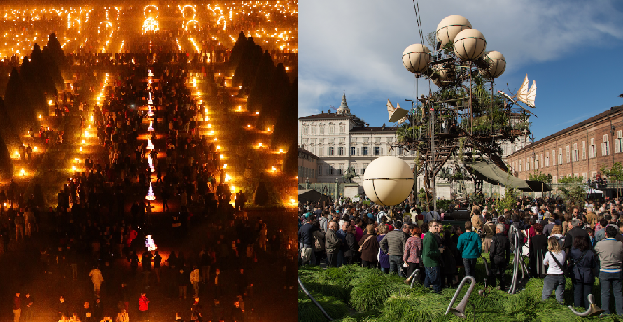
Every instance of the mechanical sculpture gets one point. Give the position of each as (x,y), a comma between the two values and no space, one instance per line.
(463,117)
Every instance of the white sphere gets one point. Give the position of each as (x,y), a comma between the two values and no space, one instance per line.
(470,44)
(497,64)
(449,27)
(416,58)
(388,181)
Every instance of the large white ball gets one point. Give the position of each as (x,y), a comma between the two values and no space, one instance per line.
(497,64)
(388,181)
(416,58)
(449,27)
(470,44)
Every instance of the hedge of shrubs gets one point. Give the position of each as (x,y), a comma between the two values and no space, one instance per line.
(352,293)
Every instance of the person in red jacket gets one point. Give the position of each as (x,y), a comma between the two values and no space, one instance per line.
(143,307)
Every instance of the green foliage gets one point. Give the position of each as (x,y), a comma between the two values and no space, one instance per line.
(423,198)
(540,176)
(385,298)
(509,201)
(614,173)
(309,312)
(444,204)
(573,191)
(476,198)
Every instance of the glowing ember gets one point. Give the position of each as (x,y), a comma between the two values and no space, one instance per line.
(150,193)
(150,161)
(22,172)
(150,128)
(150,244)
(150,146)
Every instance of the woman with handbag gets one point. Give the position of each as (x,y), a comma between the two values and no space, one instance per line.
(582,262)
(382,257)
(412,254)
(369,248)
(555,279)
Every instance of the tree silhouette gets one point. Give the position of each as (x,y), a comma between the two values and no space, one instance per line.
(6,165)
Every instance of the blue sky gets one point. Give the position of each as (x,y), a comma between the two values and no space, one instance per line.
(573,49)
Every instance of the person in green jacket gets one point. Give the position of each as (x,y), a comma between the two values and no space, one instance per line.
(431,252)
(470,247)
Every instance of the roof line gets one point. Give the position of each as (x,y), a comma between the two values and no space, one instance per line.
(611,111)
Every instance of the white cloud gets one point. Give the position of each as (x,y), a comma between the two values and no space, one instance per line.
(357,45)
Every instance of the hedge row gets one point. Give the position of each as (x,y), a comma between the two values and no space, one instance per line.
(352,293)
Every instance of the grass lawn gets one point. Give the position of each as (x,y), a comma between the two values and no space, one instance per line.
(352,293)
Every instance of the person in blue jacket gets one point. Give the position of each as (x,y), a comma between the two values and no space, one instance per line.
(470,247)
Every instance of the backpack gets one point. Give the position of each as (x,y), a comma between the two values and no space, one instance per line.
(318,244)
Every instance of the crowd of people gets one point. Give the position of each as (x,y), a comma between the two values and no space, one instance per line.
(560,240)
(93,230)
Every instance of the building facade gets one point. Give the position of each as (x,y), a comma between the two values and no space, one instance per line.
(579,150)
(308,165)
(341,140)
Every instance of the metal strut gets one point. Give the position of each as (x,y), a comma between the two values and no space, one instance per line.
(314,300)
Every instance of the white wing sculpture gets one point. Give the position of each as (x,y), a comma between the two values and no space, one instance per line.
(527,95)
(390,108)
(531,94)
(402,120)
(396,112)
